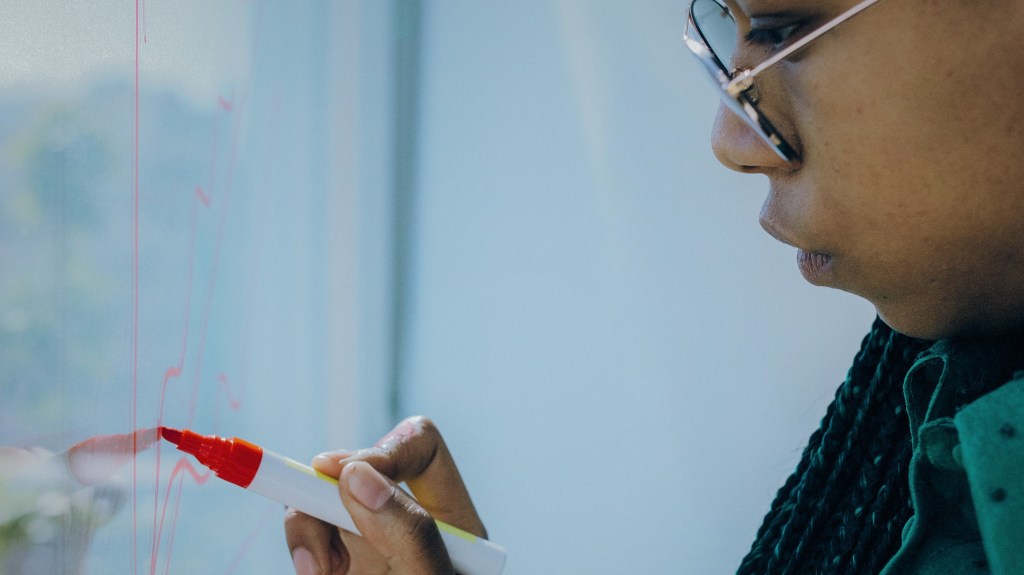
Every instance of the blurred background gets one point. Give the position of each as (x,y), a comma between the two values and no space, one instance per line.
(298,224)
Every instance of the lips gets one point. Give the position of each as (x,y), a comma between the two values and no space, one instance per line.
(816,267)
(776,233)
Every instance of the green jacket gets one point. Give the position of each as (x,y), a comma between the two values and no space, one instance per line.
(966,409)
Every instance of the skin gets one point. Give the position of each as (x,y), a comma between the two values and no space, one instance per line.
(908,120)
(909,136)
(400,536)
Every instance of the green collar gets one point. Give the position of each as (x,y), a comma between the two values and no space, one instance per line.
(955,372)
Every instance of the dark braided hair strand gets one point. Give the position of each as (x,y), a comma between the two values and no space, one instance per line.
(843,509)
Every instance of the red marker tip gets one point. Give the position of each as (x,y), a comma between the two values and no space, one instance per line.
(234,460)
(171,434)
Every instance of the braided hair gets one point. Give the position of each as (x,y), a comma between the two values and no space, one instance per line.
(842,511)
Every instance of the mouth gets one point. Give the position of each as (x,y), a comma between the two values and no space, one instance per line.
(778,234)
(816,267)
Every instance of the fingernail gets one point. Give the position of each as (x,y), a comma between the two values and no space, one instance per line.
(370,488)
(333,456)
(304,562)
(336,455)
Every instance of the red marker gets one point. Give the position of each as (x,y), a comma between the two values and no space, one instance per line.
(306,489)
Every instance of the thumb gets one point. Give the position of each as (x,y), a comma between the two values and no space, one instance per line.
(393,523)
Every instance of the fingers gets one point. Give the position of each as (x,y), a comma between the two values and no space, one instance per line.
(397,527)
(314,545)
(415,452)
(399,533)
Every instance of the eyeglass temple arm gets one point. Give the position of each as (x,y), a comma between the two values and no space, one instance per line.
(743,78)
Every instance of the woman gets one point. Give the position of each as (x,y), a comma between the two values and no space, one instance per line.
(889,132)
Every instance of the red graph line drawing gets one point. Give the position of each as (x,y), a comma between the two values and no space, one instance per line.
(215,265)
(214,195)
(206,199)
(202,196)
(234,399)
(182,466)
(175,371)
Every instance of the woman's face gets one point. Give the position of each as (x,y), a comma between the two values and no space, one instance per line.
(910,122)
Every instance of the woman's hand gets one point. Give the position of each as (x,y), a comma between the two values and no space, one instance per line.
(400,536)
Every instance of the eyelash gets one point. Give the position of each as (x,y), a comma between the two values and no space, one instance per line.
(775,37)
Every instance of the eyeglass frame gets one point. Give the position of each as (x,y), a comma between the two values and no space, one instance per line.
(737,88)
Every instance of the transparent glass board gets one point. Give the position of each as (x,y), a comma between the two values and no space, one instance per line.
(176,234)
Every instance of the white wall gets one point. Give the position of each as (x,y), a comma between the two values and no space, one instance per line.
(624,364)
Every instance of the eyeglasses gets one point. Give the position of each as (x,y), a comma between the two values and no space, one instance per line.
(711,35)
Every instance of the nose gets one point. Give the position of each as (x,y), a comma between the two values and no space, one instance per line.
(739,148)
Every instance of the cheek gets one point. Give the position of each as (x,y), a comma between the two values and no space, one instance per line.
(931,269)
(939,117)
(914,182)
(911,172)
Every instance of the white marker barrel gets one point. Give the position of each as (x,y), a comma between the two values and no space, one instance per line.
(313,493)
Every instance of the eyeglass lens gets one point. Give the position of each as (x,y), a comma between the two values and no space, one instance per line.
(718,28)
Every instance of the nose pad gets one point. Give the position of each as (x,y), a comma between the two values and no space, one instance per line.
(751,91)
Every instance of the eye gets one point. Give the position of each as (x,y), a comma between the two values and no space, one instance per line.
(772,36)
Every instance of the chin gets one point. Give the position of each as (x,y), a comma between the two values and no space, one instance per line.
(933,324)
(917,323)
(912,329)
